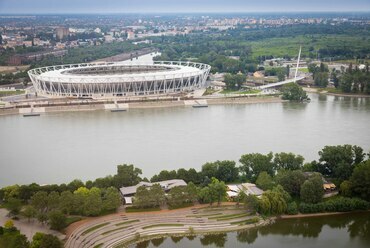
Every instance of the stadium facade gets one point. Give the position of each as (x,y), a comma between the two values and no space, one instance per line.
(119,79)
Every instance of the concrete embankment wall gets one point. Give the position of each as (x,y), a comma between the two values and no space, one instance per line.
(142,105)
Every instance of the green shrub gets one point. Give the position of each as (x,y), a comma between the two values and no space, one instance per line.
(340,204)
(292,208)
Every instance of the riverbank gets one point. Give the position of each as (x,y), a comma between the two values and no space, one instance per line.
(317,214)
(91,105)
(325,92)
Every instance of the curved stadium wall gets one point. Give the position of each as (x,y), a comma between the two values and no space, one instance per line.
(100,80)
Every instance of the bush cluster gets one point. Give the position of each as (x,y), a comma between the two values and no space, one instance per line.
(341,204)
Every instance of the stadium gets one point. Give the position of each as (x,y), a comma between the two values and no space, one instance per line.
(119,79)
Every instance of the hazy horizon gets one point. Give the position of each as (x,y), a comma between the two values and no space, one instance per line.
(170,6)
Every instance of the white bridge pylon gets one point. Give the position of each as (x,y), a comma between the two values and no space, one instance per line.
(292,80)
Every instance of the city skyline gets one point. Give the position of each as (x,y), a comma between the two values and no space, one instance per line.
(169,6)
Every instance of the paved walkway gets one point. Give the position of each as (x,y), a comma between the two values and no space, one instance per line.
(28,228)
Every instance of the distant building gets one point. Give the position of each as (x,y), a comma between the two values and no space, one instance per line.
(61,33)
(248,188)
(128,192)
(130,35)
(19,59)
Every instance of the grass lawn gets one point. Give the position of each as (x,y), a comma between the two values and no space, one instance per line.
(279,47)
(91,229)
(11,93)
(184,205)
(203,215)
(240,92)
(305,70)
(209,92)
(73,219)
(127,222)
(113,230)
(98,245)
(246,222)
(164,224)
(133,209)
(229,216)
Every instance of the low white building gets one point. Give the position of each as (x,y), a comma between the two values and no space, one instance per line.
(128,192)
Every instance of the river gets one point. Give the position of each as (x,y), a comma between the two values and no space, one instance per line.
(339,231)
(59,147)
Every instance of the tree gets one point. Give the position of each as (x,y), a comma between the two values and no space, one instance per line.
(36,240)
(127,175)
(8,224)
(227,171)
(93,203)
(210,170)
(217,189)
(339,161)
(223,170)
(42,217)
(345,188)
(164,175)
(345,82)
(40,201)
(29,212)
(254,163)
(157,193)
(293,92)
(321,79)
(67,202)
(234,81)
(274,201)
(192,192)
(360,180)
(205,195)
(287,71)
(251,202)
(312,190)
(143,198)
(291,181)
(48,241)
(281,75)
(177,196)
(57,220)
(288,161)
(14,206)
(75,184)
(111,199)
(264,181)
(53,200)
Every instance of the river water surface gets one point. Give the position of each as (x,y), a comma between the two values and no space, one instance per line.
(336,231)
(59,147)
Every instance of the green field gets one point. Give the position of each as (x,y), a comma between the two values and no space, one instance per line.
(279,47)
(11,93)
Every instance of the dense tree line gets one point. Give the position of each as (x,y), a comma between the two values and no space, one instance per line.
(320,74)
(283,176)
(354,80)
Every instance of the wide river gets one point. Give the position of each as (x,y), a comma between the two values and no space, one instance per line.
(59,147)
(339,231)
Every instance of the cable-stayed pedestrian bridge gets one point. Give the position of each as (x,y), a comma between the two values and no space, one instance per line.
(279,83)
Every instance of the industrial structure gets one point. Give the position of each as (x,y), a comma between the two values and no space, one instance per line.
(120,79)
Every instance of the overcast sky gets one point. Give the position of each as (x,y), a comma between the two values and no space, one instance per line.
(161,6)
